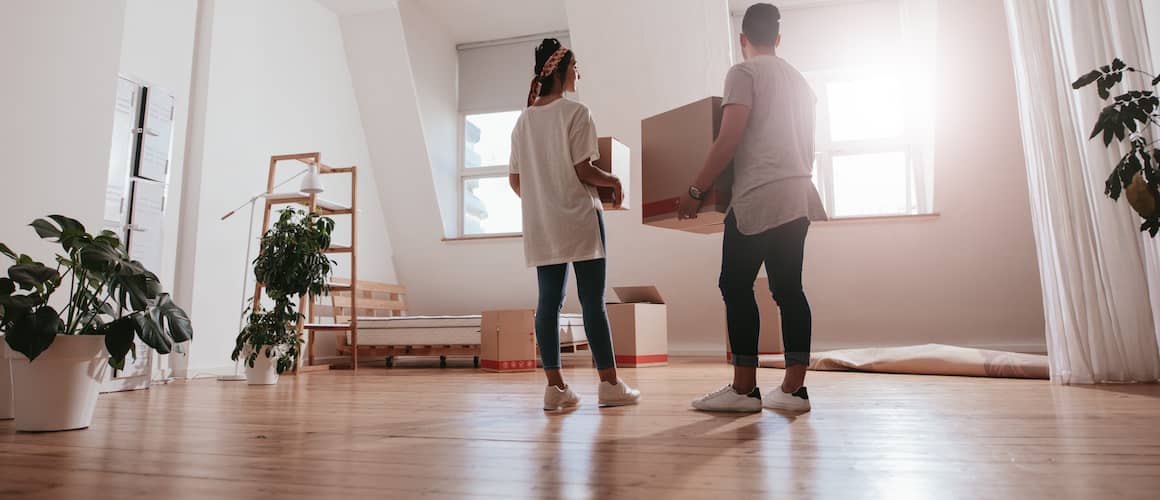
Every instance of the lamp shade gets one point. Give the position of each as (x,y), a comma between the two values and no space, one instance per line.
(312,183)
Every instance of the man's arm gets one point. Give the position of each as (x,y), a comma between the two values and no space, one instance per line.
(734,120)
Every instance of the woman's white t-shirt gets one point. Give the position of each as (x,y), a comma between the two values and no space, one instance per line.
(560,213)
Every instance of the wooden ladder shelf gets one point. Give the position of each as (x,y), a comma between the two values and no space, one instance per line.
(347,285)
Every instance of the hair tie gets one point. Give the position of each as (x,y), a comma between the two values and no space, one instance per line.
(549,68)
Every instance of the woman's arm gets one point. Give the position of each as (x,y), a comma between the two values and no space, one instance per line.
(592,175)
(514,180)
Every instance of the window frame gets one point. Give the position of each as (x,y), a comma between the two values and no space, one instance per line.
(826,149)
(465,174)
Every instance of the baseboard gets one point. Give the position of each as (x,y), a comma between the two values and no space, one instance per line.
(1029,348)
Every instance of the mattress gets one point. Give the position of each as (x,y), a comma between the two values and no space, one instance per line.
(445,330)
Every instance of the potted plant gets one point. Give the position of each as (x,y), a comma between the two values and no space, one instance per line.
(58,357)
(1125,119)
(291,263)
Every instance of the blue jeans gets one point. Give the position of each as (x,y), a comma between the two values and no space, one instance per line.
(590,282)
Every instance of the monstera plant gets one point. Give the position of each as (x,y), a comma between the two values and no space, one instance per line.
(108,294)
(1127,118)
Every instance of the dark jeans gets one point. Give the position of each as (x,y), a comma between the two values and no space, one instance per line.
(590,282)
(781,249)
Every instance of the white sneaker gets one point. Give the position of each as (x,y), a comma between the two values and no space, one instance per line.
(799,401)
(556,398)
(618,395)
(726,399)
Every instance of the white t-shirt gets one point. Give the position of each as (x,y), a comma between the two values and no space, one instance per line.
(774,162)
(560,213)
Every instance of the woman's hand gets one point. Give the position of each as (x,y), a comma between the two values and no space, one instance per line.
(617,195)
(688,207)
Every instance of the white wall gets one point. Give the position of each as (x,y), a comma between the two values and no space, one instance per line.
(435,70)
(967,277)
(60,72)
(274,81)
(157,47)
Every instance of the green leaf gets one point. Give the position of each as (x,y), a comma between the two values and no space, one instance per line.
(1085,80)
(118,339)
(31,335)
(7,252)
(1117,64)
(1112,186)
(30,276)
(7,286)
(151,332)
(176,320)
(27,302)
(1156,81)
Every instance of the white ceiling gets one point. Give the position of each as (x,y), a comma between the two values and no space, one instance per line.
(476,20)
(738,7)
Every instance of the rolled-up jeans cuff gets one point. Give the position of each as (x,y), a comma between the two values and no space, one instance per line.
(746,360)
(797,358)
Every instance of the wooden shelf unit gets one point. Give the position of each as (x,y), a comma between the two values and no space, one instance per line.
(346,285)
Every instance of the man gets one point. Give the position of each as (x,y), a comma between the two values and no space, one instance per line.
(767,130)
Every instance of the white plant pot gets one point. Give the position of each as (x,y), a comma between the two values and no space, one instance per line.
(264,371)
(58,391)
(6,412)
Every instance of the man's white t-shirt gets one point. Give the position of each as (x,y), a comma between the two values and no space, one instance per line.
(561,214)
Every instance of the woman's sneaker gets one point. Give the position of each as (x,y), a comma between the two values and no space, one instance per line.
(726,399)
(618,395)
(799,401)
(556,398)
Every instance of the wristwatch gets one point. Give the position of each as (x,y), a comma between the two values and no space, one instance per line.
(696,193)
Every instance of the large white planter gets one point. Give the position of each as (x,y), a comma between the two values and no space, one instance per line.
(264,371)
(58,391)
(6,412)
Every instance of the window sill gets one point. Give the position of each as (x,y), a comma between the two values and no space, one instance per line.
(485,237)
(881,218)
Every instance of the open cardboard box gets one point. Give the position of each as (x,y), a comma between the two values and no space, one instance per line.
(640,332)
(674,145)
(615,158)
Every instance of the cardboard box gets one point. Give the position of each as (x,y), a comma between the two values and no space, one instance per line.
(508,341)
(615,158)
(769,342)
(674,145)
(640,332)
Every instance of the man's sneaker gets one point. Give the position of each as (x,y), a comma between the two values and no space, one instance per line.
(799,401)
(726,399)
(618,395)
(556,398)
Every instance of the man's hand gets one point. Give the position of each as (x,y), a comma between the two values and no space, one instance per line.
(688,207)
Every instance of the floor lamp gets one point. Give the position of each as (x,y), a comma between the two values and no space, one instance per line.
(311,184)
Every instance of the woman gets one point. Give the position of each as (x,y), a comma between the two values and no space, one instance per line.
(553,144)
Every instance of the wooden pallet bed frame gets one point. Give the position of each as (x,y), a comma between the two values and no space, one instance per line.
(385,300)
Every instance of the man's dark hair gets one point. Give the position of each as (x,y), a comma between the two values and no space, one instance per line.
(761,24)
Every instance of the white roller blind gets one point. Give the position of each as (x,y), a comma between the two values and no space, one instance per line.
(496,78)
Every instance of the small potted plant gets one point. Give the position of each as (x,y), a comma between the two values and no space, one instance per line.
(58,357)
(292,263)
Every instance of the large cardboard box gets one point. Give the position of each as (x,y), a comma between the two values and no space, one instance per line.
(640,332)
(615,158)
(674,145)
(508,341)
(769,342)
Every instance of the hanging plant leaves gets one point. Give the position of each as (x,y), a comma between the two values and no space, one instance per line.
(118,339)
(1086,79)
(176,321)
(7,252)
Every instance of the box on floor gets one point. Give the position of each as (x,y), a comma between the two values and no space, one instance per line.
(640,333)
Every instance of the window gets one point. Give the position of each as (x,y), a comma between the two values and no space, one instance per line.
(865,165)
(489,206)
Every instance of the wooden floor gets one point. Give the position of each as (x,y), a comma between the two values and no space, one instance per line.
(457,432)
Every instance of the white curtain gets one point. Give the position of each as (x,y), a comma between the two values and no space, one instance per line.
(1094,263)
